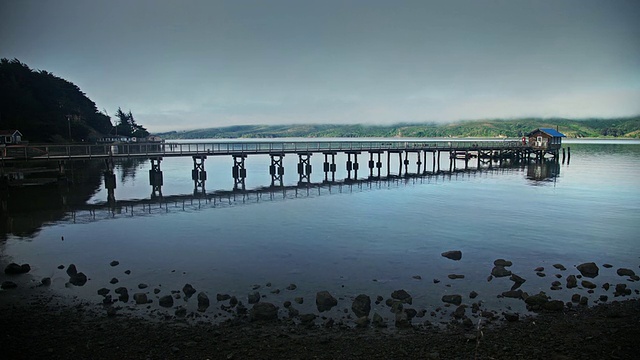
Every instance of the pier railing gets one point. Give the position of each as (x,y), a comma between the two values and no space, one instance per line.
(171,149)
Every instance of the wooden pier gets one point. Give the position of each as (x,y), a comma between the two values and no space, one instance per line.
(413,157)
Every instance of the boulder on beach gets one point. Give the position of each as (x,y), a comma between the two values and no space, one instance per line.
(453,254)
(455,276)
(15,269)
(203,301)
(452,299)
(537,300)
(253,298)
(165,301)
(403,296)
(72,270)
(263,311)
(140,298)
(292,287)
(588,284)
(589,269)
(625,272)
(325,301)
(114,263)
(123,294)
(571,281)
(559,267)
(502,262)
(361,305)
(378,321)
(78,279)
(103,291)
(500,271)
(223,297)
(188,290)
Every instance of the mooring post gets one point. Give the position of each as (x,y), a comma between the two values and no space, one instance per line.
(198,174)
(419,163)
(568,155)
(276,170)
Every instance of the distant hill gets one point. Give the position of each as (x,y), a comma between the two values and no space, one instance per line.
(619,127)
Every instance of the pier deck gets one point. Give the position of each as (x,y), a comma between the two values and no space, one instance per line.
(176,149)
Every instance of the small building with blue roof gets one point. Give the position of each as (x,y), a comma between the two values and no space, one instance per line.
(545,139)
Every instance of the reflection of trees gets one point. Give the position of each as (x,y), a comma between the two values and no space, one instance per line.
(29,207)
(128,168)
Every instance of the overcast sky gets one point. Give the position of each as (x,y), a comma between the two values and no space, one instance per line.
(181,65)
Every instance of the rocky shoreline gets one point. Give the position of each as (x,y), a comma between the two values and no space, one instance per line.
(37,330)
(147,322)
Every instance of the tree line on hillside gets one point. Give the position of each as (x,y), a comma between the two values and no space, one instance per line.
(47,108)
(619,127)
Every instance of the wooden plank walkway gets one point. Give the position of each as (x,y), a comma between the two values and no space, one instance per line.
(20,153)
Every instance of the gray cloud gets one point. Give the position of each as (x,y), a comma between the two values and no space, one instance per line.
(199,64)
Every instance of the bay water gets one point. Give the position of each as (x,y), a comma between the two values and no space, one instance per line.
(363,238)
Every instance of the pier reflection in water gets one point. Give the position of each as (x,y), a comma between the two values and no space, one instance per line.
(73,198)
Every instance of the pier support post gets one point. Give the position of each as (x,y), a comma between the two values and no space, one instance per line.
(466,159)
(155,177)
(276,169)
(198,174)
(374,164)
(329,167)
(109,180)
(304,168)
(238,172)
(352,165)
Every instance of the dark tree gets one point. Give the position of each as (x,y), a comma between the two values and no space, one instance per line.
(47,108)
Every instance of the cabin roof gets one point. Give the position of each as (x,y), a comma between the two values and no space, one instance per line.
(9,132)
(549,131)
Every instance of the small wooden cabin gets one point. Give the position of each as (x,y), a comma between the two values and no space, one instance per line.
(545,139)
(10,137)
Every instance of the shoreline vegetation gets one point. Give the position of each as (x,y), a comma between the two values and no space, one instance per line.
(618,128)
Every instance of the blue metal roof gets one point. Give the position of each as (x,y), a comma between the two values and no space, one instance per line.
(551,132)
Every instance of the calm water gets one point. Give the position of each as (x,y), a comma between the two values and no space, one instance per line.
(371,238)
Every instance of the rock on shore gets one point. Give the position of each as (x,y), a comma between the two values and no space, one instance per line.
(325,301)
